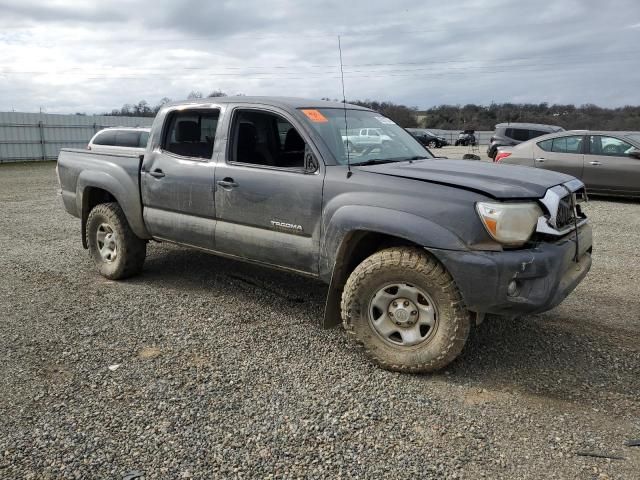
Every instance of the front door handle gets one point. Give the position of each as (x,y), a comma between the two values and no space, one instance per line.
(540,160)
(227,183)
(157,173)
(595,162)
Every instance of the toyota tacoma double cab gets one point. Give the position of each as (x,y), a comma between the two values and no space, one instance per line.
(414,249)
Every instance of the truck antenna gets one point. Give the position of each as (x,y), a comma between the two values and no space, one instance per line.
(344,105)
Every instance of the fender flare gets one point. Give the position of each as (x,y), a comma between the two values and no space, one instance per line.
(362,218)
(123,188)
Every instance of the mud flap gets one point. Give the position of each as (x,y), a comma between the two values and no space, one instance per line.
(332,317)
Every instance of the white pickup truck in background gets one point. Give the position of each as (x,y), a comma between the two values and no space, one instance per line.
(365,138)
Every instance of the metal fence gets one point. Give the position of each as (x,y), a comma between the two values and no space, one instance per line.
(38,137)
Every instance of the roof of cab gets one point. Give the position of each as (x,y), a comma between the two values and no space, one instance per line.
(282,102)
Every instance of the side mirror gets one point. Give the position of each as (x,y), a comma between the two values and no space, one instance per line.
(310,161)
(634,152)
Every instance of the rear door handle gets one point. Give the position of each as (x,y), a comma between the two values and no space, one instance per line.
(595,162)
(227,183)
(157,173)
(540,160)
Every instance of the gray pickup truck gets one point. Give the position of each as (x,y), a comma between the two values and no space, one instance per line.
(414,249)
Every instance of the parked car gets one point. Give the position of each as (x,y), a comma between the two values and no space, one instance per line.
(509,134)
(607,162)
(466,138)
(120,140)
(414,249)
(427,138)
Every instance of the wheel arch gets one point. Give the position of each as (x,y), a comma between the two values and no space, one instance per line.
(371,229)
(95,187)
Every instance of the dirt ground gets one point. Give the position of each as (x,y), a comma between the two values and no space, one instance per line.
(207,368)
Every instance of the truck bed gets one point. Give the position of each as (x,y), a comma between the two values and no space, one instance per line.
(118,174)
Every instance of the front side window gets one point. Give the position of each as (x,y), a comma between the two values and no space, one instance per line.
(602,145)
(571,144)
(266,139)
(191,133)
(393,143)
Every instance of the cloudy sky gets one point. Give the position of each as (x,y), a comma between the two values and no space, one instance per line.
(65,56)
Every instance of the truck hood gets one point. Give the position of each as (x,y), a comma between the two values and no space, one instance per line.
(495,180)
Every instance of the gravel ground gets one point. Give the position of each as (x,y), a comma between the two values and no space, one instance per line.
(223,373)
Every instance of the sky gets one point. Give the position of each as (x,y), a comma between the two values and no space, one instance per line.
(61,56)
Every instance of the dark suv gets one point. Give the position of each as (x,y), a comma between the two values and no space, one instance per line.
(427,138)
(510,134)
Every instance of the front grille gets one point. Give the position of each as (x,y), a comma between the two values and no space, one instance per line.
(563,208)
(566,214)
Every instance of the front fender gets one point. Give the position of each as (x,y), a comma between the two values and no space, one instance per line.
(362,218)
(407,226)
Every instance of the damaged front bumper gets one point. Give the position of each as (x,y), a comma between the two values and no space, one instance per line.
(523,281)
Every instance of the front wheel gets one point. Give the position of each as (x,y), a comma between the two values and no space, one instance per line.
(115,249)
(405,309)
(432,144)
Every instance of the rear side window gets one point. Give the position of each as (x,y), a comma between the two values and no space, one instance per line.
(536,133)
(567,145)
(546,145)
(127,138)
(519,134)
(191,133)
(106,137)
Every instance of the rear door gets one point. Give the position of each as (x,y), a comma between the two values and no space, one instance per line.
(177,178)
(268,205)
(561,154)
(608,167)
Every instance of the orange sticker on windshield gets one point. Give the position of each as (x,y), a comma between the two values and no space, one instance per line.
(315,116)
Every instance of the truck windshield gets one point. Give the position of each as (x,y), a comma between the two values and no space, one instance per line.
(367,138)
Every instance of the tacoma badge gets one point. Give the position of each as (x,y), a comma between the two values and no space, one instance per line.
(288,226)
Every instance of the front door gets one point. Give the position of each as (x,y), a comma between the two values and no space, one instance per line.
(268,204)
(609,168)
(177,179)
(561,154)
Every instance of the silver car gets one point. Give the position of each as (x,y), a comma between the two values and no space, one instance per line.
(123,140)
(608,163)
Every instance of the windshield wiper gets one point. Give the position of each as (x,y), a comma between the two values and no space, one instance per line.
(374,161)
(417,157)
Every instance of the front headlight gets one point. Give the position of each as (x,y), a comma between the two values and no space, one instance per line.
(509,223)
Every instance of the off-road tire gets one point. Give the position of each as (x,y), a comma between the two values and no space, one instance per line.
(131,250)
(411,265)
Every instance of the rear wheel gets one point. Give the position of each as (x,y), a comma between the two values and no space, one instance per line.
(405,309)
(115,249)
(432,144)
